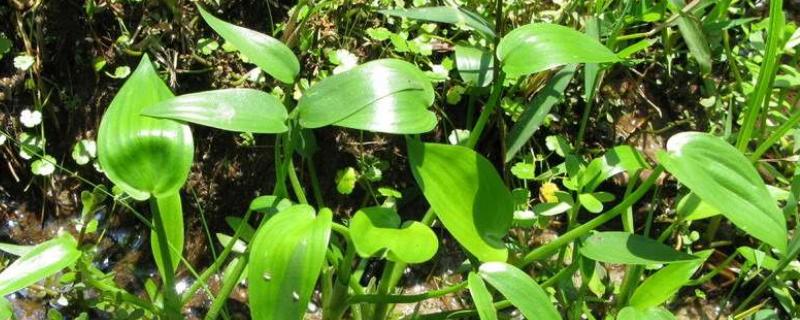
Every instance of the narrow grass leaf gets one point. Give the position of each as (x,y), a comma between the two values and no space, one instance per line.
(724,178)
(241,110)
(481,297)
(626,248)
(540,46)
(524,293)
(377,229)
(663,284)
(693,35)
(269,54)
(467,194)
(451,15)
(44,260)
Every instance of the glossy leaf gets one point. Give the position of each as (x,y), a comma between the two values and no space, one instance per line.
(467,194)
(44,260)
(286,259)
(15,249)
(142,155)
(242,110)
(171,213)
(536,111)
(451,15)
(481,297)
(660,286)
(619,159)
(269,54)
(725,179)
(540,46)
(475,65)
(626,248)
(631,313)
(524,293)
(376,229)
(388,95)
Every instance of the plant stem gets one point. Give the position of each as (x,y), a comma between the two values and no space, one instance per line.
(776,135)
(312,170)
(546,250)
(497,89)
(298,189)
(794,251)
(227,288)
(172,303)
(410,298)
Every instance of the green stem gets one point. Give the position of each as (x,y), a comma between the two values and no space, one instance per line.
(715,271)
(227,288)
(384,286)
(546,250)
(312,170)
(172,303)
(298,189)
(776,135)
(794,251)
(410,298)
(497,89)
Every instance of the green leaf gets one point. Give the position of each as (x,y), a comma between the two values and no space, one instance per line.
(475,65)
(269,54)
(660,286)
(346,180)
(388,95)
(533,116)
(286,259)
(626,248)
(14,249)
(451,15)
(143,156)
(694,37)
(690,207)
(481,297)
(524,293)
(44,260)
(619,159)
(6,309)
(376,229)
(5,46)
(590,202)
(467,194)
(724,178)
(241,110)
(171,213)
(631,313)
(540,46)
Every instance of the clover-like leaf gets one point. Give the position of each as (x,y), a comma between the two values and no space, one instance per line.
(376,229)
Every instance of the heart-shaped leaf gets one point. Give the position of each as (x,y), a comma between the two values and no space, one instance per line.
(467,194)
(286,259)
(725,179)
(375,229)
(451,15)
(143,156)
(481,297)
(475,65)
(388,95)
(44,260)
(540,46)
(626,248)
(660,286)
(524,293)
(269,54)
(242,110)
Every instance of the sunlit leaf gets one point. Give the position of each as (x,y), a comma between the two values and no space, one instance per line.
(694,37)
(540,46)
(451,15)
(660,286)
(44,260)
(467,194)
(269,54)
(632,313)
(376,229)
(724,178)
(475,65)
(286,259)
(619,159)
(481,297)
(626,248)
(171,213)
(243,110)
(524,293)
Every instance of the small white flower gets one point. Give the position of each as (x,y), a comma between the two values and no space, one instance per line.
(30,118)
(346,61)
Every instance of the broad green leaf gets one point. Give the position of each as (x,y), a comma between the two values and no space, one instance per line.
(481,297)
(269,54)
(467,194)
(242,110)
(376,229)
(6,310)
(269,204)
(44,260)
(171,213)
(15,249)
(758,258)
(724,178)
(631,313)
(590,202)
(660,286)
(690,207)
(694,37)
(286,259)
(388,95)
(451,15)
(626,248)
(474,65)
(520,289)
(142,155)
(540,46)
(533,116)
(619,159)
